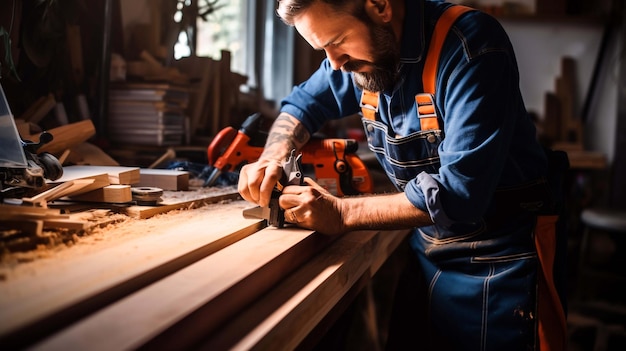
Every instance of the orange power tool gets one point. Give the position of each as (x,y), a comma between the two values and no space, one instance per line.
(332,163)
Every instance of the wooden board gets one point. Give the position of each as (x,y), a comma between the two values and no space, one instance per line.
(65,137)
(100,179)
(166,179)
(116,174)
(182,309)
(283,317)
(79,286)
(143,212)
(69,187)
(221,283)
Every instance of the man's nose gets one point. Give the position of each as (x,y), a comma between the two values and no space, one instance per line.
(337,59)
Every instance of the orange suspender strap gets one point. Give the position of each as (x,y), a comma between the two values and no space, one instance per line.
(369,104)
(425,102)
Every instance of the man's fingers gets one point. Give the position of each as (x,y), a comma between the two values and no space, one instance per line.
(271,175)
(243,187)
(310,182)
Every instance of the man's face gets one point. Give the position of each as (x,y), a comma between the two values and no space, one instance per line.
(365,48)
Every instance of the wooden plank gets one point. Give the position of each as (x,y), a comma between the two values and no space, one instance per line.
(74,173)
(219,284)
(181,309)
(143,212)
(166,179)
(282,318)
(117,174)
(115,193)
(74,288)
(59,191)
(66,137)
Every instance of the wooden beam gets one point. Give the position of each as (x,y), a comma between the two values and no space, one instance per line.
(166,179)
(116,174)
(283,317)
(36,304)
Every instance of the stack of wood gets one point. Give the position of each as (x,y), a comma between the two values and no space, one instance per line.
(562,128)
(214,94)
(213,88)
(147,114)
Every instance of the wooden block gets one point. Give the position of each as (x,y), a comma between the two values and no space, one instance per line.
(116,174)
(115,193)
(166,179)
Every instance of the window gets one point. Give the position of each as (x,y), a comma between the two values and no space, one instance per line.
(261,45)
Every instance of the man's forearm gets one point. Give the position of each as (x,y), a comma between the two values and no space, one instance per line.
(286,134)
(388,211)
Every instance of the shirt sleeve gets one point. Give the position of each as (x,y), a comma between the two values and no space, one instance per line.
(488,136)
(328,94)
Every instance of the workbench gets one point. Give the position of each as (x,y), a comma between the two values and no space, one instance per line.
(211,280)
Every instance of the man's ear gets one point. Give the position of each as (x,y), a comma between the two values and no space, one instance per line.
(378,10)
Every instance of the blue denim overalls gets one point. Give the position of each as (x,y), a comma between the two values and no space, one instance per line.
(485,276)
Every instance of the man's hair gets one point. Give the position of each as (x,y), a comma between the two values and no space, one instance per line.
(289,9)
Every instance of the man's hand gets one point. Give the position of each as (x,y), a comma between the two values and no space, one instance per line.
(311,206)
(256,181)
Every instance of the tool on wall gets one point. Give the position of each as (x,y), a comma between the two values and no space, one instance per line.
(332,163)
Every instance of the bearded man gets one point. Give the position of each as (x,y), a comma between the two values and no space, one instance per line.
(444,115)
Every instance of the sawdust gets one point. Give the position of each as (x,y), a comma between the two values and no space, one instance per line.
(116,228)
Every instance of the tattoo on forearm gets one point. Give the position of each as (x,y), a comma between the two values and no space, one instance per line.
(284,133)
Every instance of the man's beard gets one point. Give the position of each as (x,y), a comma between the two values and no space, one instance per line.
(385,64)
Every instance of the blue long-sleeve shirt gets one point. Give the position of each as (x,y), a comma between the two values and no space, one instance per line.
(489,140)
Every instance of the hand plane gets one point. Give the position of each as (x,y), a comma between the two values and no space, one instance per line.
(292,175)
